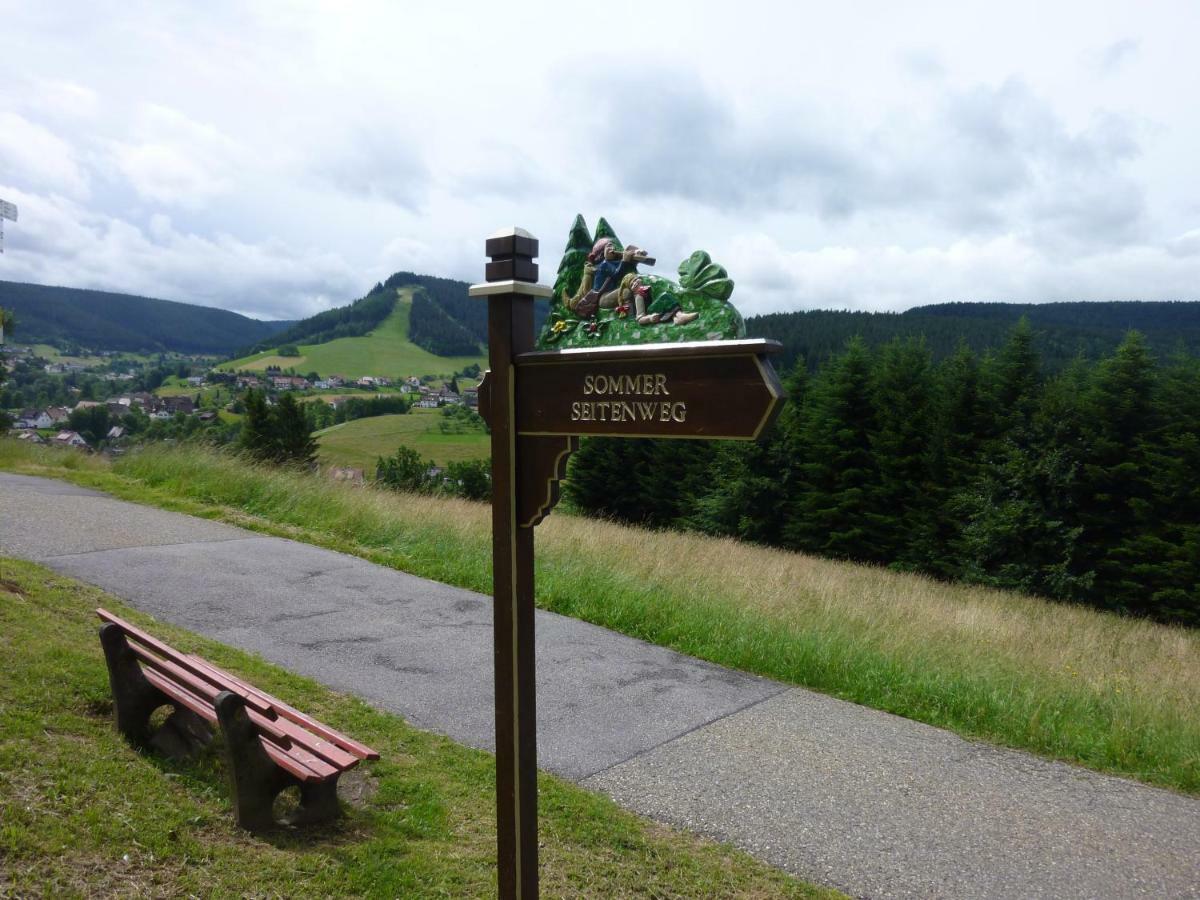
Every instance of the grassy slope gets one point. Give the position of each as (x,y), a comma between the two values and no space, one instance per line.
(1068,682)
(360,443)
(384,351)
(83,814)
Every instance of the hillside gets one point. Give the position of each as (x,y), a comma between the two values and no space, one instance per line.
(386,349)
(102,320)
(360,443)
(1062,330)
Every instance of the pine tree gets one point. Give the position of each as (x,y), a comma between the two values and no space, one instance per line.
(900,445)
(1116,501)
(834,514)
(752,484)
(293,440)
(1169,549)
(1014,381)
(959,426)
(257,437)
(1020,521)
(1013,536)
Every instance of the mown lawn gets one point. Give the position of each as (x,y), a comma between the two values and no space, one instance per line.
(83,814)
(1069,682)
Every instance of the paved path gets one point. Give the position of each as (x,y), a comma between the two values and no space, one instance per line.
(854,798)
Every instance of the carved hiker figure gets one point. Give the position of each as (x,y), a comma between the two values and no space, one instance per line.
(600,298)
(611,281)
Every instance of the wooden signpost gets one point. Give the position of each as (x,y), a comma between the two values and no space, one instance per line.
(538,404)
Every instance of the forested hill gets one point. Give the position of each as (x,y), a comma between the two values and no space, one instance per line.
(444,319)
(100,320)
(1062,330)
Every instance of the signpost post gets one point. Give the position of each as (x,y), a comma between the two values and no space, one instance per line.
(538,404)
(7,211)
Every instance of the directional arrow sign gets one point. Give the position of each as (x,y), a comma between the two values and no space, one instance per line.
(705,389)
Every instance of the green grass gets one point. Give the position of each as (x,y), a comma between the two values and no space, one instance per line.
(384,351)
(1115,694)
(83,814)
(54,355)
(360,443)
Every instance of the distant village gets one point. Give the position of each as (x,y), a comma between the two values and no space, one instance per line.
(216,401)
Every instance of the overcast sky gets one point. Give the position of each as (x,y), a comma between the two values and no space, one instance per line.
(278,159)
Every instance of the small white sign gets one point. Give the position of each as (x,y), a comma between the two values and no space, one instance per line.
(8,210)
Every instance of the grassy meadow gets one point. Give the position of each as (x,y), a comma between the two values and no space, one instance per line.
(384,351)
(83,814)
(1115,694)
(360,443)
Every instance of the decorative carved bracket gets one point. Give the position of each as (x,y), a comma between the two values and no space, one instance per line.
(541,465)
(541,462)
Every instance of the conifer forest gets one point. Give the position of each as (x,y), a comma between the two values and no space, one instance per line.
(1078,484)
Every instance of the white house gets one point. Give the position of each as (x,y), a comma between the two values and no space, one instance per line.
(70,439)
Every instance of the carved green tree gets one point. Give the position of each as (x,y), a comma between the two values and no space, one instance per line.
(704,287)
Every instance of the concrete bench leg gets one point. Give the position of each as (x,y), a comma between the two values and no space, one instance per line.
(256,781)
(134,700)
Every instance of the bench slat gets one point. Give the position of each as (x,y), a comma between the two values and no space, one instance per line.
(317,771)
(351,746)
(183,660)
(285,738)
(182,695)
(330,752)
(207,691)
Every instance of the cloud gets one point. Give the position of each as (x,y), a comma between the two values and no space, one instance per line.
(63,101)
(174,160)
(1115,55)
(377,163)
(1186,244)
(61,242)
(988,159)
(32,155)
(922,64)
(1005,268)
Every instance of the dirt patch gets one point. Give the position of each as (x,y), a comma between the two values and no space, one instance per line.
(357,787)
(84,875)
(10,587)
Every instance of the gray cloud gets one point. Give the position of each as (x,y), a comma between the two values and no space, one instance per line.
(377,163)
(1112,57)
(61,242)
(988,159)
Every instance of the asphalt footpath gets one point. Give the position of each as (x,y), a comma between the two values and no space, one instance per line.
(853,798)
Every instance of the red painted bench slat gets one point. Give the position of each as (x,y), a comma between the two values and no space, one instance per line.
(205,691)
(204,709)
(287,735)
(362,751)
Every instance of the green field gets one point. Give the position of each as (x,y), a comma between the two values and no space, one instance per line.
(360,443)
(384,351)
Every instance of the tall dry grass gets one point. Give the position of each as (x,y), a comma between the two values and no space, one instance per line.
(1114,693)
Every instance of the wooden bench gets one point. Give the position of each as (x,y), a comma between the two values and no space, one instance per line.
(269,745)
